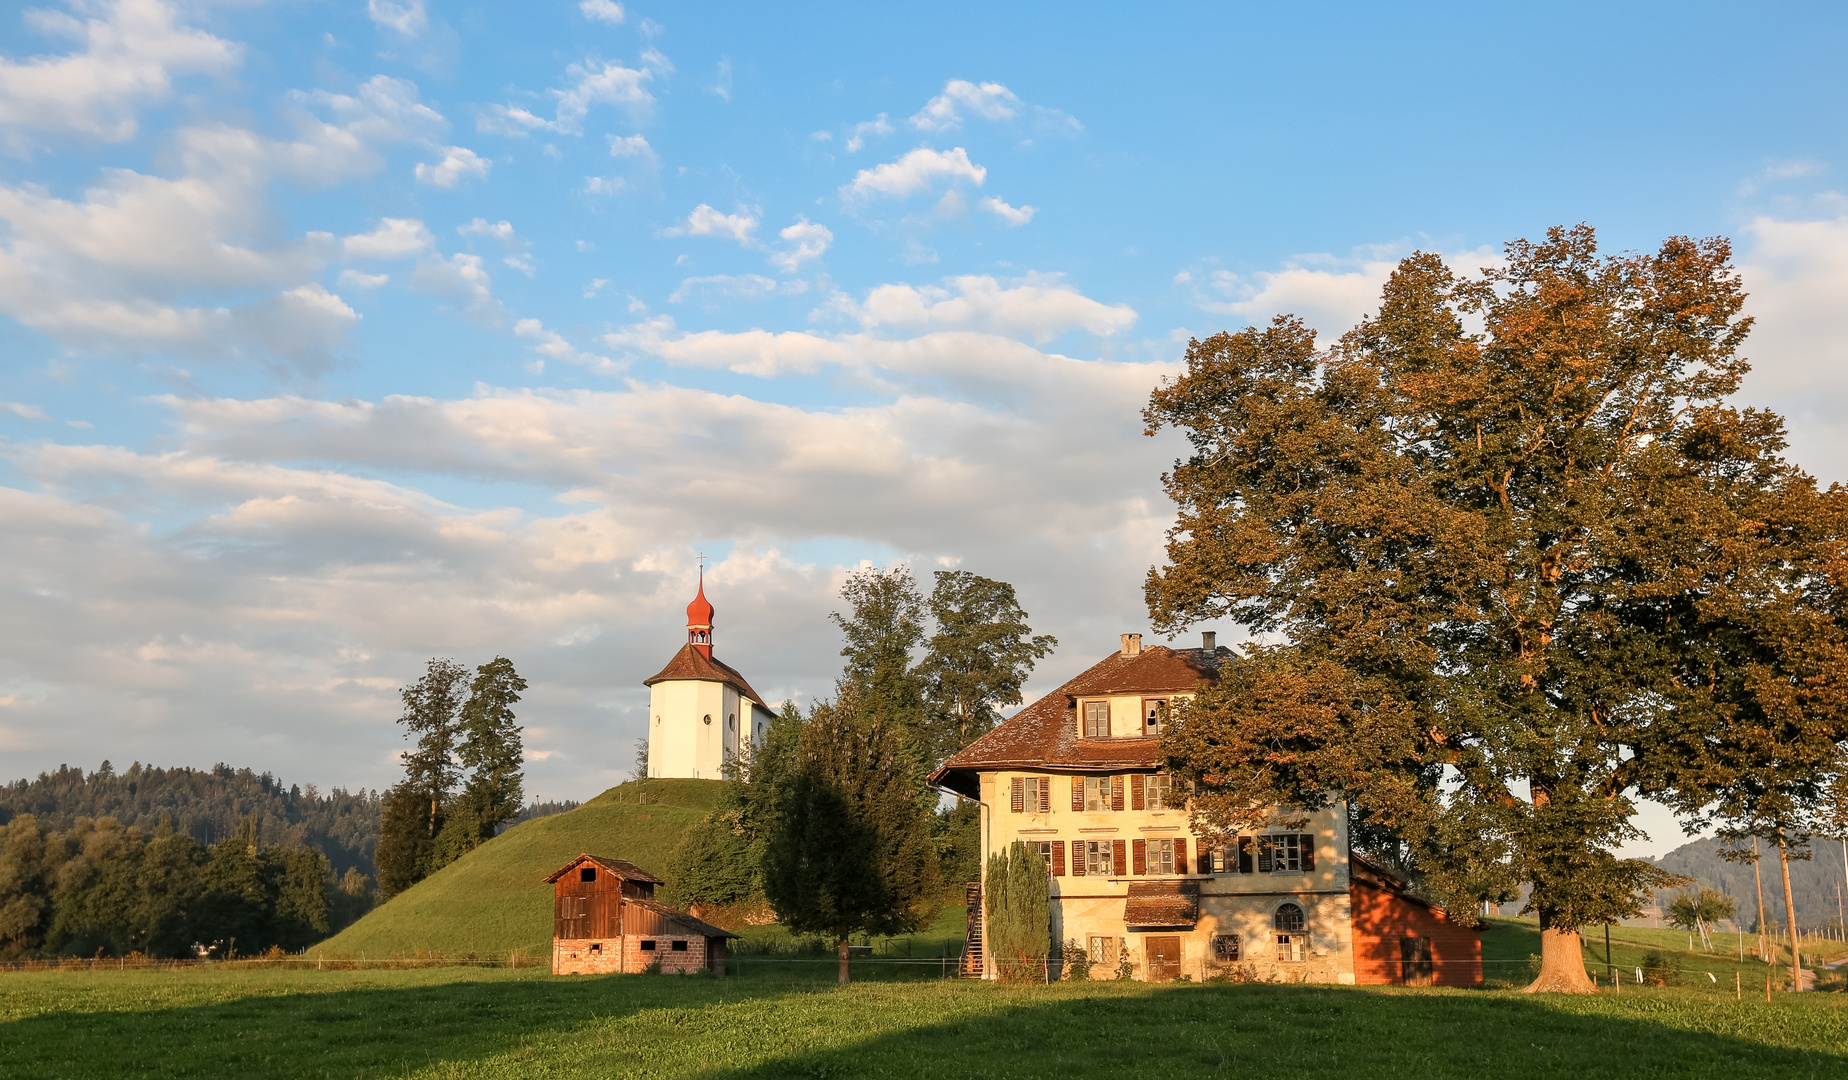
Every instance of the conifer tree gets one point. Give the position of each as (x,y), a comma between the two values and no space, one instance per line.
(1484,554)
(1017,900)
(884,626)
(490,749)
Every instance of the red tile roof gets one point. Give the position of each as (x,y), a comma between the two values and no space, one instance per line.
(1044,735)
(628,871)
(690,663)
(1162,903)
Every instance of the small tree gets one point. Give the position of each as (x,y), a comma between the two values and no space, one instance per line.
(1017,899)
(849,848)
(1697,911)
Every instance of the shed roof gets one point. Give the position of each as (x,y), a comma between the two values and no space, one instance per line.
(628,871)
(1044,735)
(1364,871)
(694,926)
(691,664)
(1162,903)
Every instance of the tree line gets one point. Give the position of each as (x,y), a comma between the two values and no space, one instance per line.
(828,820)
(99,887)
(1524,559)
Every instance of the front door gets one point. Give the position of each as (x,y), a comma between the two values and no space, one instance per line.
(1415,959)
(1164,957)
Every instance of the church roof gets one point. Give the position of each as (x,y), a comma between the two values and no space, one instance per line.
(692,664)
(1044,735)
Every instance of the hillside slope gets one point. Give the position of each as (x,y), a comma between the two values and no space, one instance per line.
(494,899)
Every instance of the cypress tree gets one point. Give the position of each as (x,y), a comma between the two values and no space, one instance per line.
(1017,899)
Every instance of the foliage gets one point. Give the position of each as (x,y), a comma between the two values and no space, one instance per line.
(98,888)
(1489,556)
(715,862)
(490,749)
(958,831)
(982,652)
(884,625)
(1077,960)
(1017,899)
(1698,911)
(205,804)
(849,848)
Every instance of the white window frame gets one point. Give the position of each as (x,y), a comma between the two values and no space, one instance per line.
(1158,705)
(1286,853)
(1096,794)
(1088,720)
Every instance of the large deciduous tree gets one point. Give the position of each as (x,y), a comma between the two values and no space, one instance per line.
(982,652)
(883,627)
(1484,535)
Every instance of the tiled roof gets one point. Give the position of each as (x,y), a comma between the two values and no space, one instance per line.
(628,871)
(1162,903)
(696,926)
(1045,733)
(690,663)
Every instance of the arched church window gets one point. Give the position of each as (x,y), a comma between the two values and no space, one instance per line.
(731,722)
(708,718)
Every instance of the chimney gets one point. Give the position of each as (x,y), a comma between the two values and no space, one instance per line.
(1209,641)
(1132,644)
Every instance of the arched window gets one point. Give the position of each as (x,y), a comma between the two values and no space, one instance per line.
(1292,943)
(731,721)
(708,718)
(1289,919)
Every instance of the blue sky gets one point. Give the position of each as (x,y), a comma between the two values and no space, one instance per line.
(334,336)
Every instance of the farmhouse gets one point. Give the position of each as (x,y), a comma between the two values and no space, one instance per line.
(605,920)
(1078,774)
(701,710)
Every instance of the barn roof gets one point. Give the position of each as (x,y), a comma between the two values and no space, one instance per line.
(1044,735)
(690,663)
(694,926)
(628,871)
(1364,871)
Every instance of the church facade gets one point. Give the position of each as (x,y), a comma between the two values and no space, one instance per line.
(701,711)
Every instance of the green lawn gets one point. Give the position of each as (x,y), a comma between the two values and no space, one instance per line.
(785,1021)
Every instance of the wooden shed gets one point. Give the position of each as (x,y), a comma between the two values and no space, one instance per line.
(1401,939)
(605,920)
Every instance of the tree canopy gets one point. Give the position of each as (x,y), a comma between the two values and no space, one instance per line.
(1504,538)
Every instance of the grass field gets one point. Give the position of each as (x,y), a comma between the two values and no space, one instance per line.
(493,900)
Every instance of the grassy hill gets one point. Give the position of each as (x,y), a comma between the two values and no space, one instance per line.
(494,899)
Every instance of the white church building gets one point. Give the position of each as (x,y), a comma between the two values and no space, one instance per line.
(701,711)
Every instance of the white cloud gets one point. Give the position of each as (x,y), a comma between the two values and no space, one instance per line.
(594,82)
(605,185)
(990,101)
(518,252)
(635,147)
(458,162)
(705,221)
(734,287)
(1040,307)
(394,238)
(856,137)
(1796,272)
(604,11)
(355,279)
(405,16)
(464,282)
(1330,293)
(596,286)
(553,346)
(24,412)
(917,171)
(1013,215)
(722,86)
(807,240)
(129,58)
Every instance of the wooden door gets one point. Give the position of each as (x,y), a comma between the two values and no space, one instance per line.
(1164,957)
(1415,961)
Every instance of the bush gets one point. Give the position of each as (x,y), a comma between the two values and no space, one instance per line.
(1077,962)
(1659,970)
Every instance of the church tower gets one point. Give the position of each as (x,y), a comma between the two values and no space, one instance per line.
(700,710)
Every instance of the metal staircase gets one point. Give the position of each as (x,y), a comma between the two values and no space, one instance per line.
(971,965)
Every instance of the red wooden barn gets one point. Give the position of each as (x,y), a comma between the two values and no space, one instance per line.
(605,920)
(1399,938)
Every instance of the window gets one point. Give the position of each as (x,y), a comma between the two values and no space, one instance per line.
(1097,719)
(1154,711)
(1225,948)
(1103,952)
(1155,790)
(707,718)
(680,946)
(1292,942)
(1032,795)
(1097,793)
(596,946)
(1053,851)
(1161,856)
(648,946)
(1097,858)
(731,721)
(588,873)
(1286,853)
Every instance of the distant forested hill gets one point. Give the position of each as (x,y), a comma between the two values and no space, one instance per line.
(1813,882)
(208,805)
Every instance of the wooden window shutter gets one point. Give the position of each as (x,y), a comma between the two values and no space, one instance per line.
(1244,854)
(1139,856)
(1077,793)
(1118,861)
(1077,858)
(1306,843)
(1180,856)
(1264,855)
(1020,795)
(1045,795)
(1135,791)
(1116,794)
(1058,858)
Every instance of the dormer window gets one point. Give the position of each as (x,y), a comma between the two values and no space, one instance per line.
(1096,719)
(1154,712)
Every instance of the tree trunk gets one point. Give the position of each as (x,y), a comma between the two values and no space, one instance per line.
(841,949)
(1758,879)
(1562,964)
(1790,915)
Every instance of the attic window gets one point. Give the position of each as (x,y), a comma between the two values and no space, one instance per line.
(589,873)
(1154,711)
(1097,719)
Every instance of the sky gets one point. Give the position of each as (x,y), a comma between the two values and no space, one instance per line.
(335,336)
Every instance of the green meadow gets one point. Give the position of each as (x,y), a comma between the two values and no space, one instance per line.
(788,1019)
